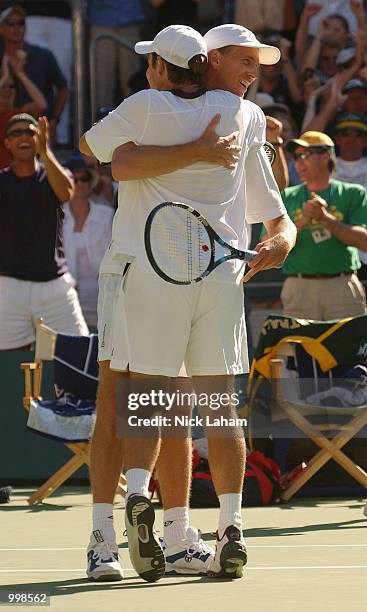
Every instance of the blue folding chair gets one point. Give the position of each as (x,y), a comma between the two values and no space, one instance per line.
(70,416)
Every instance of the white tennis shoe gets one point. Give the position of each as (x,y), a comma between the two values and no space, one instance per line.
(103,559)
(190,556)
(230,555)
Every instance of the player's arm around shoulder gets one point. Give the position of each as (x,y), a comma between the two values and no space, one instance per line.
(125,124)
(273,249)
(133,161)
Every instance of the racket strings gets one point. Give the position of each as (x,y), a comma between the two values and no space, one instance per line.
(270,152)
(180,244)
(189,244)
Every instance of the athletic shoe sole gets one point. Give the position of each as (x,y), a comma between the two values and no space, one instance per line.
(233,558)
(146,554)
(106,577)
(171,570)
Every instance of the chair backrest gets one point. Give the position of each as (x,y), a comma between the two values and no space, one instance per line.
(74,361)
(307,349)
(45,342)
(331,343)
(76,366)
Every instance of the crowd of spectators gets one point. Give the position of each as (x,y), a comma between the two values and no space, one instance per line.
(87,234)
(320,85)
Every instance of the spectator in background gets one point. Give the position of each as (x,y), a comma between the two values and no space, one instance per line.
(34,281)
(12,76)
(303,39)
(49,25)
(104,190)
(281,80)
(352,98)
(336,95)
(40,65)
(350,137)
(287,129)
(168,12)
(349,9)
(331,219)
(260,15)
(115,63)
(355,92)
(87,234)
(322,56)
(338,18)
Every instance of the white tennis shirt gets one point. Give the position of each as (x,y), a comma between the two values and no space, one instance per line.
(227,198)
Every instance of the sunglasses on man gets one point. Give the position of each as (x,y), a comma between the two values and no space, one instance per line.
(82,179)
(18,133)
(15,23)
(306,154)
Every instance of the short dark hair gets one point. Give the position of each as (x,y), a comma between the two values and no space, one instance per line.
(18,118)
(342,20)
(197,67)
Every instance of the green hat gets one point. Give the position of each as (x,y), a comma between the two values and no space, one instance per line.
(21,117)
(349,121)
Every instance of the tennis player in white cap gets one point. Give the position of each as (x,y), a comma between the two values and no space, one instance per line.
(263,204)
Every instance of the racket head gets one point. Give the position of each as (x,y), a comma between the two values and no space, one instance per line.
(270,152)
(178,243)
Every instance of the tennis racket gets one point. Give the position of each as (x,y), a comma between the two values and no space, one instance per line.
(270,152)
(181,245)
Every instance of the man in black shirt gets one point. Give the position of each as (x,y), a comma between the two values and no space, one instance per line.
(34,280)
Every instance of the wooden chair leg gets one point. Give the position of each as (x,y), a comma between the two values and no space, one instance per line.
(121,487)
(58,478)
(330,450)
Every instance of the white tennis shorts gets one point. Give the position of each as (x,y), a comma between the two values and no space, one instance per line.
(157,326)
(23,302)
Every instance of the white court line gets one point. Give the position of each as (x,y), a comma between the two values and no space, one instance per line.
(247,546)
(24,549)
(253,568)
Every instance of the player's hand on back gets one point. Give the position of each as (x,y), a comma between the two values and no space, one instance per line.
(220,150)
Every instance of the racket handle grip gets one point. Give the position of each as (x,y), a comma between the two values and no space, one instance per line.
(249,255)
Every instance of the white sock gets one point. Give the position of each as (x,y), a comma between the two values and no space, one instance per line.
(137,481)
(230,511)
(176,524)
(103,521)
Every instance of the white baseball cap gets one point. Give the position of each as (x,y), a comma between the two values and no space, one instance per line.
(345,55)
(15,8)
(177,44)
(233,34)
